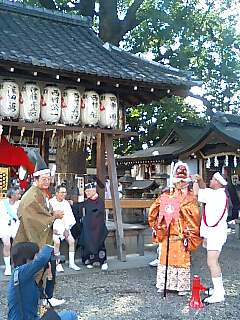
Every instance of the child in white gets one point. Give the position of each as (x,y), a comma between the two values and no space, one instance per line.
(61,227)
(9,224)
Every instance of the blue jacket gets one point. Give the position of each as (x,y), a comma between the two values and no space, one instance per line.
(29,291)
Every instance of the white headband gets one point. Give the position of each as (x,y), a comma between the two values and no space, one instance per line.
(220,178)
(41,172)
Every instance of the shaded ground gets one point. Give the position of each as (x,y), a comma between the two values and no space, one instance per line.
(131,293)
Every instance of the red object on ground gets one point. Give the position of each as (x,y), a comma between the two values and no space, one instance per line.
(195,301)
(14,156)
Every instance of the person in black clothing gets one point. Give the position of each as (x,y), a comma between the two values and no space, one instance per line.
(76,230)
(94,230)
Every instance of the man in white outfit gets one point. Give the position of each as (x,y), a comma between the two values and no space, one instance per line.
(61,227)
(9,224)
(213,228)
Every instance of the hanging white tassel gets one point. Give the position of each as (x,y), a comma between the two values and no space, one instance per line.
(216,162)
(235,161)
(226,161)
(223,170)
(171,177)
(208,163)
(1,131)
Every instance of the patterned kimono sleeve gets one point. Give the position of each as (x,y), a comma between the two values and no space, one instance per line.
(192,223)
(159,228)
(153,214)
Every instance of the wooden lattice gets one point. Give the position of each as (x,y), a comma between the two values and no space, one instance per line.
(4,178)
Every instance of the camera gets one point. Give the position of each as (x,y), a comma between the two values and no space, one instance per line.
(54,260)
(58,259)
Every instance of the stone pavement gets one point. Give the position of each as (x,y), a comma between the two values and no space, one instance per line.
(127,290)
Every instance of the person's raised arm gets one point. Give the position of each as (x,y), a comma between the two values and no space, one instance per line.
(39,262)
(198,183)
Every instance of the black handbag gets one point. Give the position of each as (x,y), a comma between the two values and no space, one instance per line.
(51,314)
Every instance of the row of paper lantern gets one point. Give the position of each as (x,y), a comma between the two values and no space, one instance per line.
(53,106)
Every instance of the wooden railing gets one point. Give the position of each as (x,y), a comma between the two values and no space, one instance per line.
(131,203)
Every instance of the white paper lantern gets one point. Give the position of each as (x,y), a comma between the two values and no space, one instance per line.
(216,162)
(108,110)
(51,104)
(9,99)
(70,104)
(90,111)
(30,102)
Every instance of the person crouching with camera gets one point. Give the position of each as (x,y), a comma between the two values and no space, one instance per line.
(23,292)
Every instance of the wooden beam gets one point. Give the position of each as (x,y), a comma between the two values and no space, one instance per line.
(117,214)
(101,170)
(181,89)
(131,203)
(124,88)
(42,126)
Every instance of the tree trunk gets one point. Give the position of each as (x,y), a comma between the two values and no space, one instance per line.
(111,28)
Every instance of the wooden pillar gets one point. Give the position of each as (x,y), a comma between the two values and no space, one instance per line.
(101,170)
(201,169)
(44,148)
(117,214)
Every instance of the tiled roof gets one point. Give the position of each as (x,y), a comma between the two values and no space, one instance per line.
(223,124)
(227,125)
(142,185)
(47,39)
(153,154)
(189,135)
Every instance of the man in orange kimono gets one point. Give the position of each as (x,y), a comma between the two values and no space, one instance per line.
(176,209)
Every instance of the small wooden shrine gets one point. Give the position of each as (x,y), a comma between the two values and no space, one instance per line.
(206,148)
(63,89)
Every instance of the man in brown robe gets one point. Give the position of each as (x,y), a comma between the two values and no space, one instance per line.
(36,216)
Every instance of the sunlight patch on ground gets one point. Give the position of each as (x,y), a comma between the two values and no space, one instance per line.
(122,306)
(232,288)
(125,305)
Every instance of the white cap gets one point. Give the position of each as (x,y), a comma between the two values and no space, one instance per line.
(220,178)
(41,168)
(41,172)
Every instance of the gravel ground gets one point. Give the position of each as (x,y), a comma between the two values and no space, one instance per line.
(131,294)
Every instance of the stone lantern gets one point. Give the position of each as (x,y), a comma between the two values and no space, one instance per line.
(126,181)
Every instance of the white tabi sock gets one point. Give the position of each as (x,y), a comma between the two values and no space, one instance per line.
(71,258)
(7,265)
(7,262)
(72,264)
(218,286)
(218,291)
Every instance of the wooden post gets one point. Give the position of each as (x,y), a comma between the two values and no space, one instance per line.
(44,148)
(112,172)
(201,169)
(101,170)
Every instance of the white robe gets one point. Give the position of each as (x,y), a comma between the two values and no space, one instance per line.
(8,227)
(68,220)
(215,202)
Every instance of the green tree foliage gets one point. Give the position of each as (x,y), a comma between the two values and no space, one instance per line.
(203,39)
(153,121)
(192,35)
